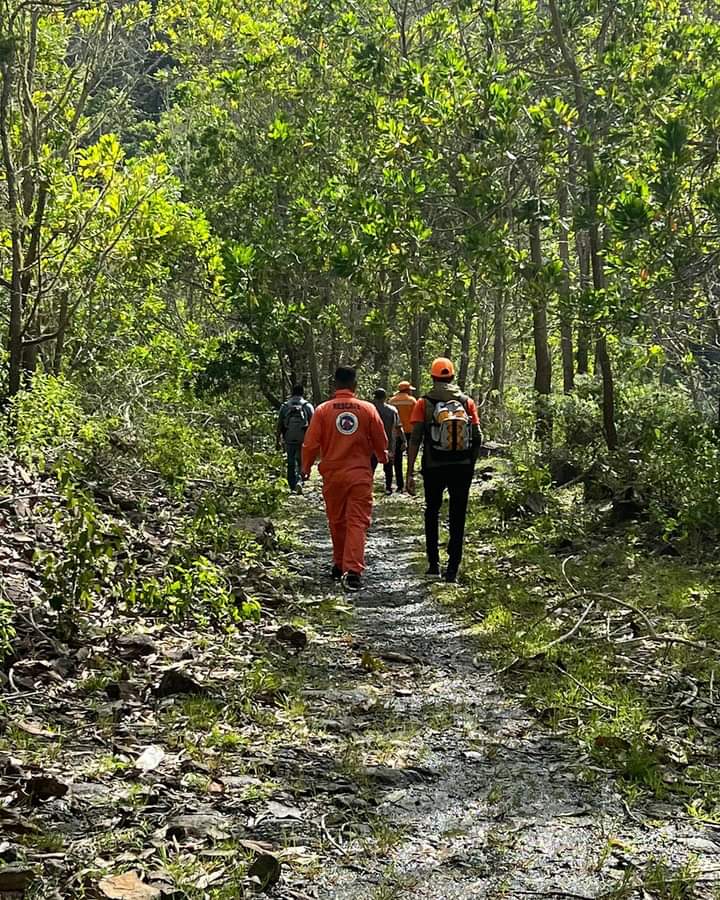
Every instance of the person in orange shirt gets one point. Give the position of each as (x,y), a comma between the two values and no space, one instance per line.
(346,433)
(446,423)
(404,403)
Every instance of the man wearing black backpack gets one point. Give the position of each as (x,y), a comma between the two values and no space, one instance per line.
(446,423)
(293,420)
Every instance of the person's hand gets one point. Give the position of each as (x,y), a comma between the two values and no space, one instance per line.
(410,485)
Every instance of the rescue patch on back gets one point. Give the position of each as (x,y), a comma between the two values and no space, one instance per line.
(347,423)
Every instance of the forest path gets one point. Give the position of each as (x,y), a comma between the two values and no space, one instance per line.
(461,793)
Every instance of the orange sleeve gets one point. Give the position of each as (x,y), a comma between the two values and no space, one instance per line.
(312,441)
(418,413)
(472,410)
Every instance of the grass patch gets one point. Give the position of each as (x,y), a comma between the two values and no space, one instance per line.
(625,696)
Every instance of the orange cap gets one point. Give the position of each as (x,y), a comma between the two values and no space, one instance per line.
(442,368)
(405,386)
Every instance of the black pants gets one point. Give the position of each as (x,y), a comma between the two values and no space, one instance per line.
(456,480)
(387,469)
(294,457)
(399,456)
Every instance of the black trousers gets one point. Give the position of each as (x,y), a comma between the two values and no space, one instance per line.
(399,457)
(456,480)
(387,469)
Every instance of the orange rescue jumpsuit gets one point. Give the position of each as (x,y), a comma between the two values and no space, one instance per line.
(346,432)
(404,403)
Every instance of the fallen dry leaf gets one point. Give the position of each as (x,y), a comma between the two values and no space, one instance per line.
(150,758)
(127,887)
(283,811)
(36,730)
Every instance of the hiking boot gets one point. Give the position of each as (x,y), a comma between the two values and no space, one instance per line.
(450,576)
(351,581)
(388,492)
(336,573)
(433,571)
(298,488)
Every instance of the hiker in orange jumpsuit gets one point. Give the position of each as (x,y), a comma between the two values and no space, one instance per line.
(346,433)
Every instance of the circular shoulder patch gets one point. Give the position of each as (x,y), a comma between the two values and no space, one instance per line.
(347,423)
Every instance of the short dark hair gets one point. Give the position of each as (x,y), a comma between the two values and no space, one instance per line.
(380,393)
(298,390)
(345,376)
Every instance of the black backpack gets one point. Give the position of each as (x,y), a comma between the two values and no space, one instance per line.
(296,420)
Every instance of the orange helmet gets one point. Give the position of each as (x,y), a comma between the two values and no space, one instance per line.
(442,368)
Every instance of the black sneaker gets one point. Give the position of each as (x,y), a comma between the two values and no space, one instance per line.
(433,571)
(351,581)
(450,576)
(336,573)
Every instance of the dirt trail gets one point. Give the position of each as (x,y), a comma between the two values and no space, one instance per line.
(474,798)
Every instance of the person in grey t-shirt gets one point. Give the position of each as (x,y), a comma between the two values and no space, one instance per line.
(391,421)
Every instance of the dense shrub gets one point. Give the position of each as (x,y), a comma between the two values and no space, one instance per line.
(678,469)
(48,426)
(668,455)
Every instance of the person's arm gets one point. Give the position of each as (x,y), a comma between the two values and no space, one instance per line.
(378,437)
(280,430)
(391,438)
(311,446)
(417,420)
(310,409)
(476,432)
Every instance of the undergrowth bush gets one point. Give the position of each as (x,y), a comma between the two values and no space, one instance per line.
(48,426)
(91,565)
(7,628)
(528,490)
(193,588)
(234,480)
(215,478)
(679,462)
(668,454)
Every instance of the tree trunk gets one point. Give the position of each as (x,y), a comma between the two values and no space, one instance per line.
(380,344)
(594,236)
(11,188)
(60,339)
(465,351)
(543,370)
(450,336)
(497,386)
(415,351)
(479,369)
(313,363)
(566,332)
(584,333)
(608,406)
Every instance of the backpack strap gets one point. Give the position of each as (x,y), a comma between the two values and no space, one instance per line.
(429,409)
(462,398)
